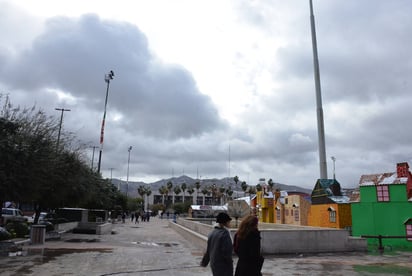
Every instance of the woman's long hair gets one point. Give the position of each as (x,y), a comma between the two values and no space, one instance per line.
(247,225)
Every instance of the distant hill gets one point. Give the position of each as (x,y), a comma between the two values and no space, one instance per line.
(131,189)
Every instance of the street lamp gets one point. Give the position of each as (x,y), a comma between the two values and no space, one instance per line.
(333,159)
(128,163)
(94,148)
(60,127)
(107,78)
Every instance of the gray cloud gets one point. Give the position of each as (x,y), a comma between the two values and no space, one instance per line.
(73,54)
(365,62)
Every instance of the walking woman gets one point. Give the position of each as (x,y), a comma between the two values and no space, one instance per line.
(247,248)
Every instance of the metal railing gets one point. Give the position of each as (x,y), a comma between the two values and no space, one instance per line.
(380,237)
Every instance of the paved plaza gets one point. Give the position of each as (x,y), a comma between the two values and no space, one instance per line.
(153,248)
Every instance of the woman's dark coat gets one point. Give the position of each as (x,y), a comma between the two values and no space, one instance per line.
(248,250)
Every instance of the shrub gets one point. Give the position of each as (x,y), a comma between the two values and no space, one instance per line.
(4,234)
(17,229)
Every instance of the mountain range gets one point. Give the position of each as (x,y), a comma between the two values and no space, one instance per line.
(131,187)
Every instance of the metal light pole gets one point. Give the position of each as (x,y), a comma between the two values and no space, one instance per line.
(107,78)
(128,163)
(319,110)
(60,127)
(111,175)
(94,148)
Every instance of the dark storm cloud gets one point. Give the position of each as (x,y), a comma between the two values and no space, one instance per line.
(72,55)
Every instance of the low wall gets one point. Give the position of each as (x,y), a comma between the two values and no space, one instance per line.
(65,227)
(100,228)
(283,239)
(195,238)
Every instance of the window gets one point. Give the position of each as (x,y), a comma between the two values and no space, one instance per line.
(296,215)
(332,216)
(382,192)
(409,231)
(277,215)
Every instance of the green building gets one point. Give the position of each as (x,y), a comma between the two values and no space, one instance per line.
(385,208)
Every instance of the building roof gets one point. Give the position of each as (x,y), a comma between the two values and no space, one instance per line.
(382,179)
(247,199)
(209,207)
(328,191)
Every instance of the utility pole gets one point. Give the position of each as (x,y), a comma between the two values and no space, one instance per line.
(60,126)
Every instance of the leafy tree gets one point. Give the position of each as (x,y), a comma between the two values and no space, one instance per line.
(33,170)
(134,204)
(157,207)
(181,207)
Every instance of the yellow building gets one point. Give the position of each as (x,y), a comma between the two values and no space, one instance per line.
(264,207)
(334,215)
(329,207)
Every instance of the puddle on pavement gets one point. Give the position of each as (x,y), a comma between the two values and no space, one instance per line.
(35,256)
(156,244)
(82,240)
(382,269)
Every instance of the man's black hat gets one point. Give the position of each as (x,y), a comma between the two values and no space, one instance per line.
(223,218)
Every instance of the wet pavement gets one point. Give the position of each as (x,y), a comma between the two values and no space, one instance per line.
(153,248)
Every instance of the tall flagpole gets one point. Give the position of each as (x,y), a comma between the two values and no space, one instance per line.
(319,110)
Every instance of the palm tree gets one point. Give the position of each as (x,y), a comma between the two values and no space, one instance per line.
(177,191)
(190,191)
(236,179)
(197,185)
(221,193)
(270,184)
(141,191)
(169,186)
(183,187)
(163,191)
(229,192)
(244,186)
(204,192)
(252,190)
(148,192)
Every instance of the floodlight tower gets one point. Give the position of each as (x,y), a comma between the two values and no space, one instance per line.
(107,78)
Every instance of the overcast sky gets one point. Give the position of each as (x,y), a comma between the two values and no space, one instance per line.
(217,88)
